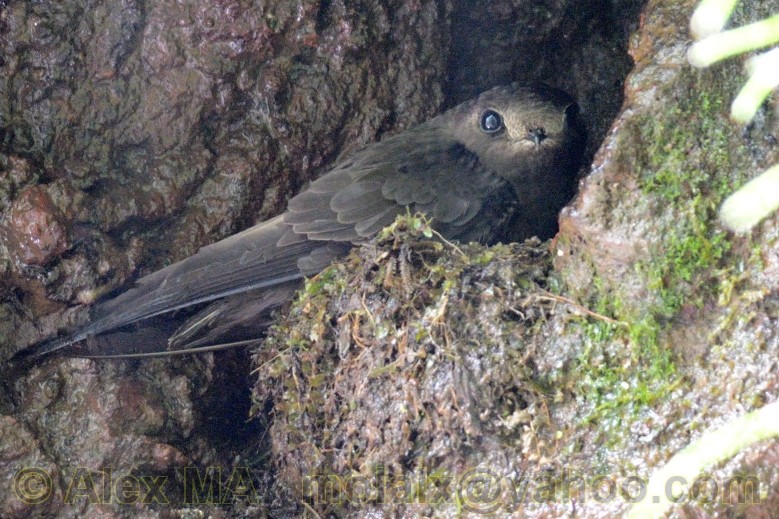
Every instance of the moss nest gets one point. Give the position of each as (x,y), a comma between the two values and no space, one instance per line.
(411,354)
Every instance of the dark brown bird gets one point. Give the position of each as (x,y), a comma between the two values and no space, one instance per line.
(498,167)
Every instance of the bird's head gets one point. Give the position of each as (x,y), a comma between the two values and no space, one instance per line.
(522,133)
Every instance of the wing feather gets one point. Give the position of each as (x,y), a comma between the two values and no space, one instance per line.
(423,170)
(248,260)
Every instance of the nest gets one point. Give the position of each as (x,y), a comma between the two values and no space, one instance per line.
(412,354)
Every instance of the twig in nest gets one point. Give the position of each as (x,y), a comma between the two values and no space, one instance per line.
(548,296)
(447,242)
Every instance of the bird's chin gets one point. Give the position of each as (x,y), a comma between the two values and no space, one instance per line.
(529,146)
(536,156)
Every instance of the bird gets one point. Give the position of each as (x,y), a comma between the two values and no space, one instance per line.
(498,167)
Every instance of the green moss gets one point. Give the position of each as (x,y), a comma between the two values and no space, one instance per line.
(622,369)
(687,162)
(686,158)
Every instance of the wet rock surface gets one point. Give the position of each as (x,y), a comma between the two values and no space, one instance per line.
(157,129)
(132,133)
(642,245)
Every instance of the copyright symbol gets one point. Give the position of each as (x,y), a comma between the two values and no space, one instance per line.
(32,486)
(479,491)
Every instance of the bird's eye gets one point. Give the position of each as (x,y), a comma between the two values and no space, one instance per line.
(491,122)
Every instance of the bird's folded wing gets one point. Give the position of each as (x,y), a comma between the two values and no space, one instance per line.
(422,170)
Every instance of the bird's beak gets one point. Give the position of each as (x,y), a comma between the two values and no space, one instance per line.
(536,135)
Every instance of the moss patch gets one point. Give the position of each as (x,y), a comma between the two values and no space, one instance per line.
(686,158)
(687,162)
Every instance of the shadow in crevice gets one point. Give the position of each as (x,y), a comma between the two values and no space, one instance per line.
(580,47)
